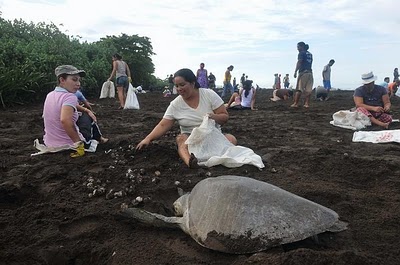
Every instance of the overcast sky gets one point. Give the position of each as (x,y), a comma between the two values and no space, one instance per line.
(258,37)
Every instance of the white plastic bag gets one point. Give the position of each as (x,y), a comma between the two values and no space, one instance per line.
(211,148)
(131,99)
(43,149)
(347,119)
(207,140)
(107,90)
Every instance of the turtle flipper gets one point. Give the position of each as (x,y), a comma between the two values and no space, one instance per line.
(153,219)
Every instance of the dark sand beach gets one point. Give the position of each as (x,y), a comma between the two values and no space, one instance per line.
(48,217)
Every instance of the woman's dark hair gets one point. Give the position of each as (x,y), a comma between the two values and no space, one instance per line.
(64,76)
(247,86)
(116,55)
(301,44)
(188,75)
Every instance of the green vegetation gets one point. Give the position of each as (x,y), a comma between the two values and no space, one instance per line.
(30,52)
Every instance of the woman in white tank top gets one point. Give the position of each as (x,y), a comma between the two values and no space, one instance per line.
(245,99)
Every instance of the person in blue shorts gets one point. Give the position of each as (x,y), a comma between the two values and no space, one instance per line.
(123,77)
(326,75)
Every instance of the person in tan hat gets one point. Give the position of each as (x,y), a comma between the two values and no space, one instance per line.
(373,101)
(63,125)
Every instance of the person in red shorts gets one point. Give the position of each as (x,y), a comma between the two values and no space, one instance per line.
(393,87)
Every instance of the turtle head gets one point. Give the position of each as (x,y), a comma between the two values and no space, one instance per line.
(181,204)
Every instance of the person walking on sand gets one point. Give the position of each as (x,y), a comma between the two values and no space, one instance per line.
(326,76)
(227,81)
(373,101)
(202,76)
(306,80)
(123,77)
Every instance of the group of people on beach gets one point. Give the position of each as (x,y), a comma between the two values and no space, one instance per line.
(67,122)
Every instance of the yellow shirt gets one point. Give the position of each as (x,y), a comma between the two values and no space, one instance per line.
(228,76)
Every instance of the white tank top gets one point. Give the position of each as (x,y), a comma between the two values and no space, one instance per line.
(246,101)
(121,69)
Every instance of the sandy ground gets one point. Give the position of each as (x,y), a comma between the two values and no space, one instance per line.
(47,216)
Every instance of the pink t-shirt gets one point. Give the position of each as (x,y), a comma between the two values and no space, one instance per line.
(54,133)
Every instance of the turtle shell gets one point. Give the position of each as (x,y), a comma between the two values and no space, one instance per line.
(235,214)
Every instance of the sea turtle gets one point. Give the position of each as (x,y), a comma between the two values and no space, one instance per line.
(236,214)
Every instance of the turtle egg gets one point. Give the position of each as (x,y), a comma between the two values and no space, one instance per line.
(118,194)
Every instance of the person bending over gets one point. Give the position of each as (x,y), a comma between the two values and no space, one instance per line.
(281,94)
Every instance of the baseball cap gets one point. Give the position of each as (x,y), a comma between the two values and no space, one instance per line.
(69,70)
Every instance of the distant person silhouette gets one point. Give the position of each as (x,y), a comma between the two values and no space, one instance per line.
(227,81)
(202,76)
(211,80)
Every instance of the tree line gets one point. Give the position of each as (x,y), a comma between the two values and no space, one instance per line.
(29,53)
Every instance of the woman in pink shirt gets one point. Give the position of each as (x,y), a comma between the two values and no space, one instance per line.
(60,113)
